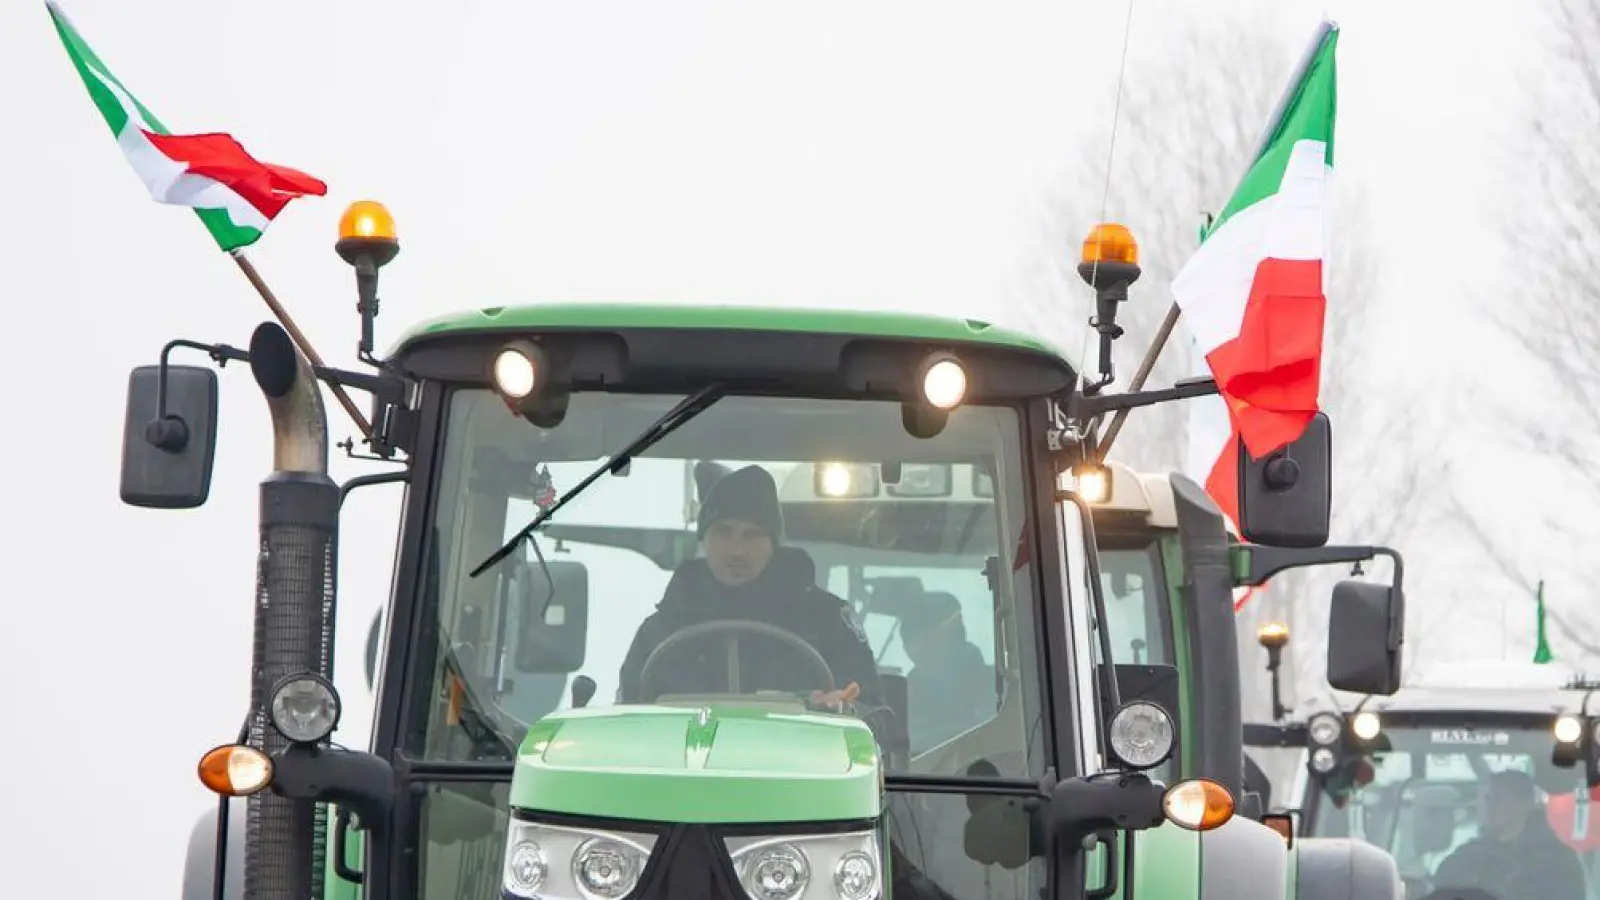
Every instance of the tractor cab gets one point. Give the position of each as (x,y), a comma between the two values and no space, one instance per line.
(1172,633)
(1480,778)
(735,603)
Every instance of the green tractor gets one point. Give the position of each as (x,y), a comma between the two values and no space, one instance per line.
(1421,774)
(511,755)
(1173,637)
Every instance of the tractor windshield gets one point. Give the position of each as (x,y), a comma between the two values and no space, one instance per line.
(1469,806)
(769,551)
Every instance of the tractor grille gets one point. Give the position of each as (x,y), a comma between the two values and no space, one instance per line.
(690,862)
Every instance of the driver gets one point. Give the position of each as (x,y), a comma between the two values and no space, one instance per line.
(1516,854)
(746,574)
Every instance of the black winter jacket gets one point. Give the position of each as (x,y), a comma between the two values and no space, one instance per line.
(785,595)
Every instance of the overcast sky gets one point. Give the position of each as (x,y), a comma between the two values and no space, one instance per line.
(818,153)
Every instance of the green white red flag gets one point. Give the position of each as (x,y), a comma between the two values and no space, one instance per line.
(234,194)
(1254,294)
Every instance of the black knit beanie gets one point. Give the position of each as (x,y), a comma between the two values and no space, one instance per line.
(749,495)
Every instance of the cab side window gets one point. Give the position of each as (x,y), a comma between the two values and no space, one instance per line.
(1135,597)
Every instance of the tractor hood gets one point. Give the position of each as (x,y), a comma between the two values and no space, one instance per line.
(713,764)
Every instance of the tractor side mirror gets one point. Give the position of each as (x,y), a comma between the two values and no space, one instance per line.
(1366,628)
(554,624)
(167,455)
(1286,498)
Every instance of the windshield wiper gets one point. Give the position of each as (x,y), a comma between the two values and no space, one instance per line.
(688,408)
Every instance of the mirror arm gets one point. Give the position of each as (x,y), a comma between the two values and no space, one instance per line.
(388,388)
(1396,624)
(171,433)
(1262,561)
(361,481)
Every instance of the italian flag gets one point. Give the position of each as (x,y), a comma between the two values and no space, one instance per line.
(234,194)
(1253,295)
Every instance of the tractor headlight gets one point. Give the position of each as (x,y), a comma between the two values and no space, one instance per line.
(1366,725)
(1568,729)
(810,867)
(1324,729)
(305,708)
(1323,760)
(1141,735)
(550,862)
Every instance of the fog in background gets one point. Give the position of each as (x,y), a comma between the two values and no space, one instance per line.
(945,158)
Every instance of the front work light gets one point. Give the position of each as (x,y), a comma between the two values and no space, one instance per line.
(1093,482)
(845,481)
(943,381)
(235,771)
(1199,804)
(1141,735)
(518,369)
(304,708)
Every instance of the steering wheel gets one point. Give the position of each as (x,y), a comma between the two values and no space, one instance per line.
(715,626)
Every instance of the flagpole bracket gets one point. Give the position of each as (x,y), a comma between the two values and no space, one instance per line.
(1089,408)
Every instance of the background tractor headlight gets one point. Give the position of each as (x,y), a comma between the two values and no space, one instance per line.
(305,708)
(1324,729)
(809,867)
(1323,760)
(1141,735)
(1366,725)
(561,863)
(1568,729)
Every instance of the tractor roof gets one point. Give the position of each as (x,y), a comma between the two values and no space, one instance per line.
(628,316)
(1145,496)
(1486,686)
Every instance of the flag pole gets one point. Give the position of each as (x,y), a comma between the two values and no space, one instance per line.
(1164,332)
(250,272)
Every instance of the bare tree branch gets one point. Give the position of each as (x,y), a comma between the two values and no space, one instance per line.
(1190,119)
(1550,309)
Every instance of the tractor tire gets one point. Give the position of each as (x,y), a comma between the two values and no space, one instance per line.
(1345,869)
(199,864)
(1242,860)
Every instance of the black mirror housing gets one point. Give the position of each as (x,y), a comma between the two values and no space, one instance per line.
(1286,498)
(167,461)
(1366,630)
(554,626)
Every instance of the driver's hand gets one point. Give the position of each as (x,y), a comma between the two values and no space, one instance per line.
(836,700)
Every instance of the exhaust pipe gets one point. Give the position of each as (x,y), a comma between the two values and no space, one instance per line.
(286,841)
